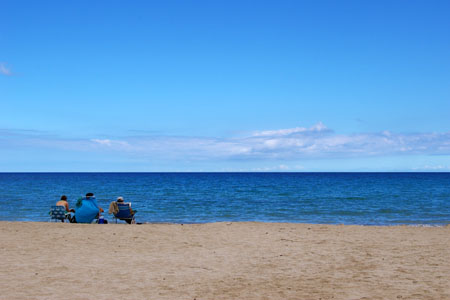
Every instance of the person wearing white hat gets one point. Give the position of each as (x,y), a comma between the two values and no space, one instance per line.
(114,209)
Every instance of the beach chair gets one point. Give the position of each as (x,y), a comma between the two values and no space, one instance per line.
(124,213)
(57,213)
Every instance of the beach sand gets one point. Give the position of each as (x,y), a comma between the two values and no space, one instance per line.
(223,261)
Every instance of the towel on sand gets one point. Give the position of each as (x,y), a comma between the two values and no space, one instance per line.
(113,208)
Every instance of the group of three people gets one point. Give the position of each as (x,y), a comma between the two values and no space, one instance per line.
(88,210)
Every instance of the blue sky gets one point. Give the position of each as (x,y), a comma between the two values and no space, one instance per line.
(225,86)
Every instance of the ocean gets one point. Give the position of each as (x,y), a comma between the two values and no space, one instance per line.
(324,198)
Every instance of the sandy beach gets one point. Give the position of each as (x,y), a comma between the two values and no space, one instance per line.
(223,261)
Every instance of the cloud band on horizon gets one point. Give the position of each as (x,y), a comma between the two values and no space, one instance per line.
(316,142)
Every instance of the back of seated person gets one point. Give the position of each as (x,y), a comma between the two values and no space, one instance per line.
(87,209)
(63,202)
(121,201)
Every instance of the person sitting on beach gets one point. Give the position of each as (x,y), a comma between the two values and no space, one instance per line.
(87,209)
(63,202)
(114,209)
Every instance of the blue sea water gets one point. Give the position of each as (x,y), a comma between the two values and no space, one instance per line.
(327,198)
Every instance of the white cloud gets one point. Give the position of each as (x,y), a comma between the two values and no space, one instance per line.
(283,132)
(283,167)
(102,142)
(434,168)
(317,142)
(277,168)
(117,144)
(4,70)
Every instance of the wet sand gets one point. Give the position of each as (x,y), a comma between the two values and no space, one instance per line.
(223,261)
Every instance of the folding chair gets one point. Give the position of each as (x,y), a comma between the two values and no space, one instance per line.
(58,213)
(124,213)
